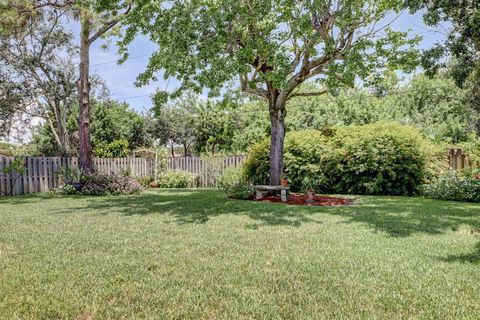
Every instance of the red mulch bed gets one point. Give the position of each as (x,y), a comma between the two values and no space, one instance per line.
(299,199)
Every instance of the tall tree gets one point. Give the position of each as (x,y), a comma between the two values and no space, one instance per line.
(271,47)
(38,60)
(97,19)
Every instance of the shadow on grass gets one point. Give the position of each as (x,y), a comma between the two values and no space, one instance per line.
(396,216)
(197,206)
(473,257)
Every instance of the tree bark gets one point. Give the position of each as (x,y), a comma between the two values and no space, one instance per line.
(85,148)
(277,120)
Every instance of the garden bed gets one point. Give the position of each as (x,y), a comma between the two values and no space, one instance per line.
(300,199)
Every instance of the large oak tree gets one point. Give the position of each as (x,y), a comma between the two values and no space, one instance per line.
(272,47)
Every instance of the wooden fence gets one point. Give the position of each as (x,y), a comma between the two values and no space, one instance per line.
(457,159)
(207,169)
(40,175)
(41,172)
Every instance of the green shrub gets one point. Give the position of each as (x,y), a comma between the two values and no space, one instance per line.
(114,149)
(452,185)
(380,158)
(235,184)
(176,179)
(144,181)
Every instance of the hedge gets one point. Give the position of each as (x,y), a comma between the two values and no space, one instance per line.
(379,158)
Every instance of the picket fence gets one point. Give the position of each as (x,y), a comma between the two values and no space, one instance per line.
(41,172)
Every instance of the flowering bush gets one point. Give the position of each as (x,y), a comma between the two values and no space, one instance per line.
(101,184)
(453,185)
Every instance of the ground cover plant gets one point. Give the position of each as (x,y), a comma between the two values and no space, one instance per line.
(463,185)
(192,254)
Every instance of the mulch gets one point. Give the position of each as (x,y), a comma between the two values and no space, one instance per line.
(299,199)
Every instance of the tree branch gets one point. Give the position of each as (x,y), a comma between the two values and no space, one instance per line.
(308,94)
(109,24)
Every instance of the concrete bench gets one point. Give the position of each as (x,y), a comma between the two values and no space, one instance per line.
(260,189)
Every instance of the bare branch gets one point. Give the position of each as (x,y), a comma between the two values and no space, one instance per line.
(245,85)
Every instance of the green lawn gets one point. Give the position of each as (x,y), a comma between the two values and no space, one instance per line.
(183,254)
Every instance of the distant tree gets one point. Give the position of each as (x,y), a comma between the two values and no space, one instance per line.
(272,47)
(177,121)
(215,124)
(111,122)
(460,53)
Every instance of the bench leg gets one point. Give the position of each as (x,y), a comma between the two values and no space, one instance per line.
(283,194)
(258,195)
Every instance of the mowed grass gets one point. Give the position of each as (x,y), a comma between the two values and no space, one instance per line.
(192,254)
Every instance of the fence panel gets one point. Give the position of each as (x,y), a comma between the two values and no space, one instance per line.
(207,169)
(41,173)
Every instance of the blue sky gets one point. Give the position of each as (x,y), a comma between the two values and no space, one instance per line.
(120,78)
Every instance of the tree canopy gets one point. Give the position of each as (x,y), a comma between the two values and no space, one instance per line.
(271,47)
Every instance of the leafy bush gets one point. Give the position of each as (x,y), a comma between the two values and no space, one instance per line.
(101,184)
(69,175)
(145,181)
(452,185)
(472,150)
(176,179)
(235,184)
(115,149)
(380,158)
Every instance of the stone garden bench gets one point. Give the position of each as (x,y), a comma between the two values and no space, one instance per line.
(260,189)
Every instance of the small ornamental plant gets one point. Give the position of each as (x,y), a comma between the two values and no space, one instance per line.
(308,188)
(14,171)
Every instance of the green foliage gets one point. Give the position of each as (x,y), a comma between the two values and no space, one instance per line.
(380,158)
(235,184)
(472,149)
(455,186)
(16,167)
(69,175)
(115,149)
(176,179)
(220,40)
(110,121)
(145,181)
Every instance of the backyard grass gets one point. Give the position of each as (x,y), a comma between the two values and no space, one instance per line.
(192,254)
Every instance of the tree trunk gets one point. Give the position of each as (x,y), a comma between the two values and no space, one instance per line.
(277,121)
(172,149)
(85,148)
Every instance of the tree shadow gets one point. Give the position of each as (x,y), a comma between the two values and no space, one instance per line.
(473,257)
(395,216)
(403,216)
(197,206)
